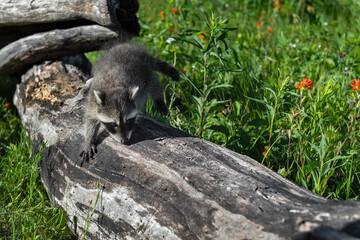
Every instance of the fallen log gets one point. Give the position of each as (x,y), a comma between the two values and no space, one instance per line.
(165,184)
(26,17)
(39,30)
(54,44)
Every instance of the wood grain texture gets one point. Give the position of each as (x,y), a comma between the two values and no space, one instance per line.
(35,30)
(165,184)
(20,18)
(54,44)
(28,12)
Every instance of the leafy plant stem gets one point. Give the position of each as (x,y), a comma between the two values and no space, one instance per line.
(270,147)
(203,101)
(300,139)
(288,148)
(350,128)
(272,120)
(277,99)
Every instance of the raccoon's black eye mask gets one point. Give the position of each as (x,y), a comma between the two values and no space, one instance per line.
(111,127)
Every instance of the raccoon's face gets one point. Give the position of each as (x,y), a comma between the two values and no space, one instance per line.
(121,127)
(117,113)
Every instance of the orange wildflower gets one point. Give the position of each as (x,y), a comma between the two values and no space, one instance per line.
(183,70)
(264,153)
(309,7)
(7,106)
(278,8)
(266,147)
(174,11)
(355,84)
(258,24)
(270,30)
(305,84)
(161,14)
(202,37)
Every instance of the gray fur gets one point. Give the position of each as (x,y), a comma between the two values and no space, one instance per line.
(122,79)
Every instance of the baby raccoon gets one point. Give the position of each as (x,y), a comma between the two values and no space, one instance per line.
(122,79)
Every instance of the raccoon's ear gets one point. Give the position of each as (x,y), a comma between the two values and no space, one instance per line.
(100,97)
(132,92)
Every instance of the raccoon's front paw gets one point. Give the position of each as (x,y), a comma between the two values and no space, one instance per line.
(161,107)
(174,74)
(87,154)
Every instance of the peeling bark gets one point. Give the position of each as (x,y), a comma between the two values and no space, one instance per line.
(165,184)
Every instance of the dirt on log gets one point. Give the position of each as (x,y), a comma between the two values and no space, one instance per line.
(165,184)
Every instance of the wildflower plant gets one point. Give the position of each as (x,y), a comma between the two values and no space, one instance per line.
(304,85)
(355,85)
(243,95)
(210,48)
(302,128)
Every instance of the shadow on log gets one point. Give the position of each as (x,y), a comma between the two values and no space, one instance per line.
(165,184)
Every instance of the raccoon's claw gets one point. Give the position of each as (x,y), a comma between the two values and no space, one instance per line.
(161,107)
(87,154)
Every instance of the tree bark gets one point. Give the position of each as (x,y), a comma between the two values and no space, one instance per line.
(54,44)
(108,13)
(22,18)
(37,30)
(165,184)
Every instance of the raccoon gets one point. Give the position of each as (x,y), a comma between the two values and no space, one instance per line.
(122,79)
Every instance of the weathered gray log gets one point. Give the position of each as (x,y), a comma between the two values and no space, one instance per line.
(164,184)
(54,44)
(37,30)
(22,18)
(27,12)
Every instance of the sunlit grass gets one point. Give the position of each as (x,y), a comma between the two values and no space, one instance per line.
(238,88)
(25,210)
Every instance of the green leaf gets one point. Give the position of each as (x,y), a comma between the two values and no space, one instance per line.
(265,102)
(197,42)
(220,128)
(224,85)
(282,172)
(189,80)
(258,122)
(330,62)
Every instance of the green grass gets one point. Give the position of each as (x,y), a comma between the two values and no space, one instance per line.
(237,89)
(243,60)
(25,210)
